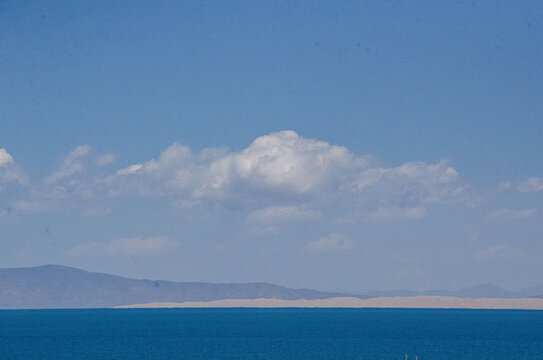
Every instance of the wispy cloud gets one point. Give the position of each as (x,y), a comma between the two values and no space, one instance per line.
(510,214)
(396,214)
(270,220)
(105,160)
(501,252)
(125,247)
(70,165)
(530,185)
(129,170)
(96,211)
(330,243)
(275,215)
(29,207)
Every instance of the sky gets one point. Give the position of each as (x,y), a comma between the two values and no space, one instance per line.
(344,146)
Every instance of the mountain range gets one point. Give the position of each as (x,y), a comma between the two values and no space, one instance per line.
(473,292)
(55,286)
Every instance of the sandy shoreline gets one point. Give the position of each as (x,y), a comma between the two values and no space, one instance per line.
(414,302)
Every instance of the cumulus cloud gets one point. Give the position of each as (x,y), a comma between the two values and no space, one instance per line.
(282,172)
(71,165)
(509,214)
(279,162)
(5,157)
(125,247)
(171,173)
(285,167)
(10,172)
(129,170)
(415,182)
(333,242)
(71,182)
(105,160)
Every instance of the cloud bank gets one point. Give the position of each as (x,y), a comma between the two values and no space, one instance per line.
(280,178)
(284,167)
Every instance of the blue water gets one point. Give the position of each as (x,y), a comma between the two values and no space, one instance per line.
(270,334)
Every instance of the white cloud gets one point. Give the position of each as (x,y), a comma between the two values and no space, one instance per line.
(530,185)
(333,242)
(64,187)
(279,163)
(125,247)
(284,167)
(281,214)
(129,170)
(415,182)
(259,231)
(5,157)
(269,220)
(10,172)
(105,160)
(508,214)
(170,160)
(282,172)
(171,173)
(71,165)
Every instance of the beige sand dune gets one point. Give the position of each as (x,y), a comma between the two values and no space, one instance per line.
(436,302)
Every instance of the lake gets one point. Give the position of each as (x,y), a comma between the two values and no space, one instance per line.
(271,334)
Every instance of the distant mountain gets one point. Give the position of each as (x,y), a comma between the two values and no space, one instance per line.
(536,291)
(54,286)
(474,292)
(477,291)
(392,293)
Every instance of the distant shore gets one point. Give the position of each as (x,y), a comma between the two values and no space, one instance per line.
(414,302)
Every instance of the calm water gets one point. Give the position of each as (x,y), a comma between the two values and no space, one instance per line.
(270,334)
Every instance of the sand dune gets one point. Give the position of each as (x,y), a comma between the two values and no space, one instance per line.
(437,302)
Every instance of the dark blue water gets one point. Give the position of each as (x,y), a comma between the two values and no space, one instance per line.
(270,334)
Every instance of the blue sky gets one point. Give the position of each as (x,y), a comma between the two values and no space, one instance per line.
(339,146)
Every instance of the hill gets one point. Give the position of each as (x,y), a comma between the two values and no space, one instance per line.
(54,286)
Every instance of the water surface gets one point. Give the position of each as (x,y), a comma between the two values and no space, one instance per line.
(270,334)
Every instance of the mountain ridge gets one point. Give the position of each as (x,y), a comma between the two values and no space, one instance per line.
(57,286)
(484,290)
